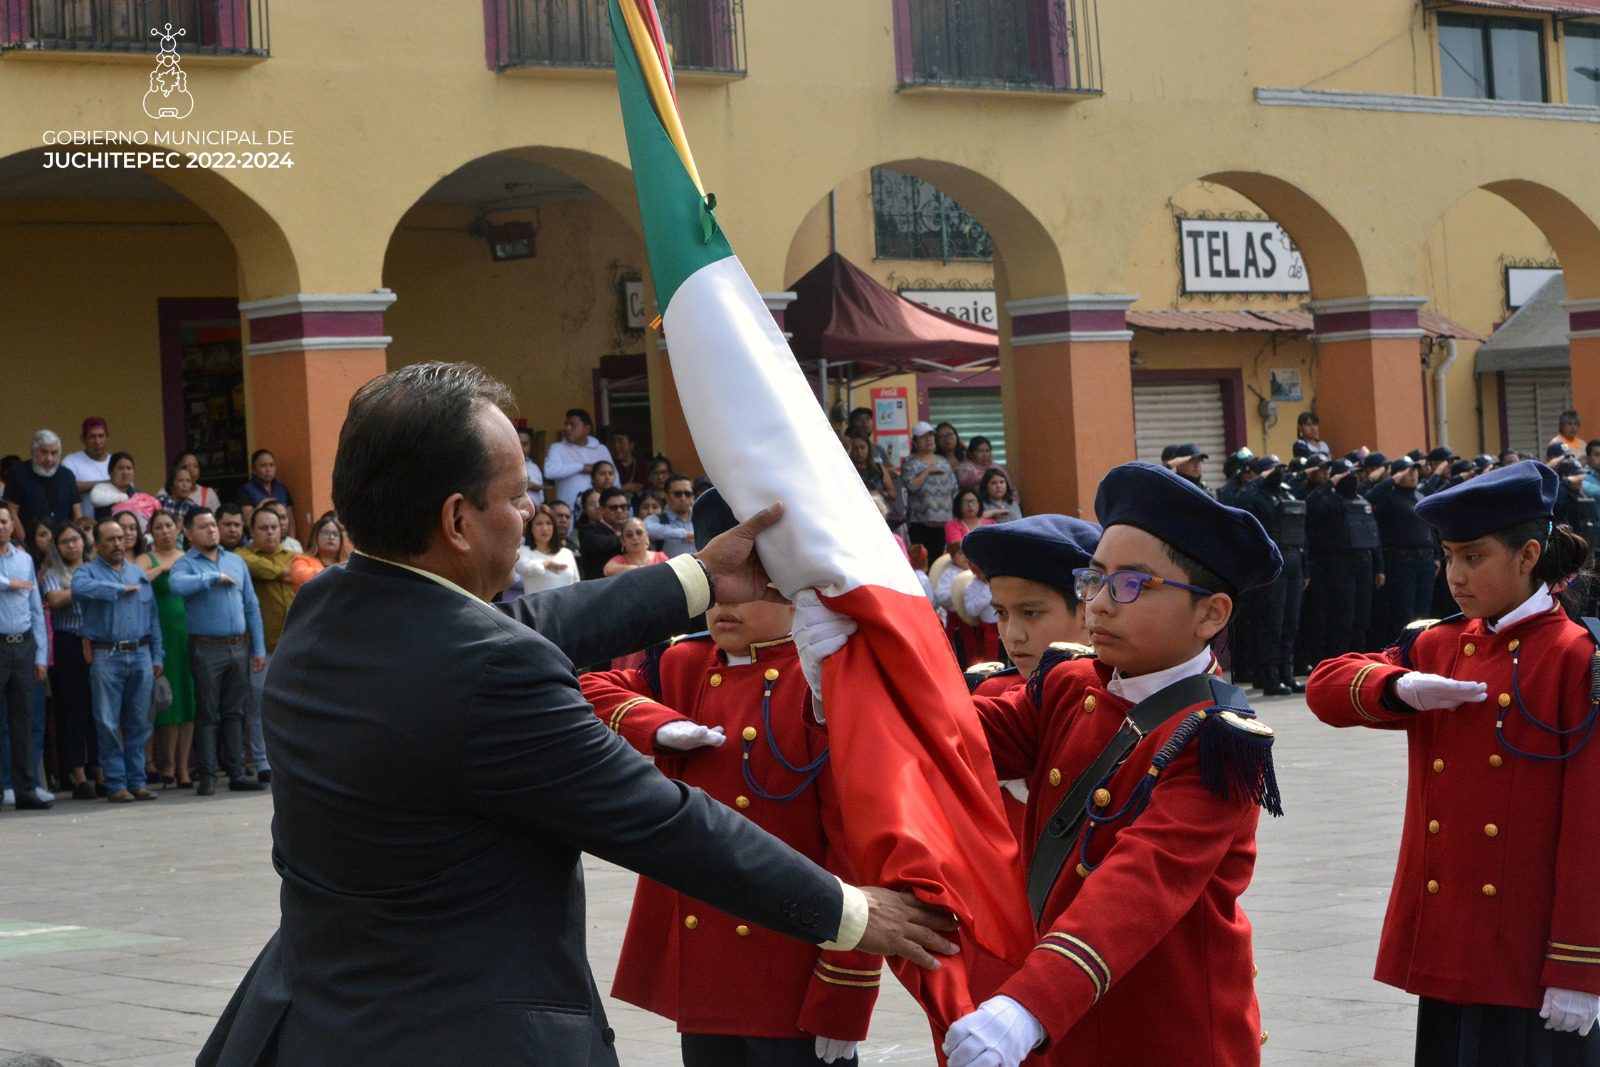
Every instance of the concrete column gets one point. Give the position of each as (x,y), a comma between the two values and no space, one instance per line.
(308,353)
(1583,322)
(1072,385)
(1369,377)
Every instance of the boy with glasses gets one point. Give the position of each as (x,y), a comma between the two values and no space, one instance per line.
(1146,777)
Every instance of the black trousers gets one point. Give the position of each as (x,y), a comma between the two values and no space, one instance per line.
(72,706)
(1407,596)
(1344,581)
(1276,622)
(16,704)
(1488,1035)
(716,1050)
(221,686)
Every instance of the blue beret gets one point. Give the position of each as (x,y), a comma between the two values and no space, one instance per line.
(1227,541)
(1494,501)
(712,516)
(1041,548)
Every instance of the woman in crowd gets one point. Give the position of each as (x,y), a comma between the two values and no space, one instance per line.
(133,529)
(120,488)
(327,550)
(648,503)
(588,508)
(659,471)
(930,485)
(544,563)
(998,496)
(947,442)
(73,709)
(177,496)
(968,510)
(37,541)
(603,475)
(874,475)
(202,496)
(636,551)
(979,462)
(174,728)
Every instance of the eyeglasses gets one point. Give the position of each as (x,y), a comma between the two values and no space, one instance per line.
(1125,586)
(616,507)
(683,492)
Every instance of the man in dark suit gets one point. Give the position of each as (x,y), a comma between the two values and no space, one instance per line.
(437,771)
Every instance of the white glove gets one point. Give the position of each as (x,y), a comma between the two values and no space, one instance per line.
(999,1034)
(819,632)
(1433,692)
(830,1049)
(681,735)
(1567,1009)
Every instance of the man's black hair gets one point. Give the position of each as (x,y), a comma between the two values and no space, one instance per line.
(582,414)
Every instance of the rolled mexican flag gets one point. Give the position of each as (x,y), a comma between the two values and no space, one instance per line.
(909,759)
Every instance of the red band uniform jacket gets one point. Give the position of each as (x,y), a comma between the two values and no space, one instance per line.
(1147,959)
(709,971)
(1497,892)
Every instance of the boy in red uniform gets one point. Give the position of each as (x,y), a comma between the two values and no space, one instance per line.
(1146,774)
(1494,918)
(730,712)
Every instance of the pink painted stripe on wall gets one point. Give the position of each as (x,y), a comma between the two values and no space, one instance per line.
(1579,321)
(1069,321)
(1371,319)
(300,325)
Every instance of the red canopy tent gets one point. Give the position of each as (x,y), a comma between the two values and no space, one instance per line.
(840,315)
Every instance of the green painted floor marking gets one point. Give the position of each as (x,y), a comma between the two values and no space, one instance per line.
(33,939)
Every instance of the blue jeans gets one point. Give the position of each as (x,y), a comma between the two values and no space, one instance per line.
(120,685)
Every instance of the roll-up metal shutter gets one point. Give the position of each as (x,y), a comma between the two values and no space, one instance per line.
(1533,400)
(973,412)
(1175,413)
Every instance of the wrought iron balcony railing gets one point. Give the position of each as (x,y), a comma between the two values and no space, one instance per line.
(702,35)
(210,27)
(1027,45)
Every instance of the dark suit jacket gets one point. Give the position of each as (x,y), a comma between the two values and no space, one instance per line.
(597,544)
(437,772)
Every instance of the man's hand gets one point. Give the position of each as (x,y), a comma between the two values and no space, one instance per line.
(1000,1033)
(226,579)
(1377,581)
(681,735)
(130,589)
(1433,692)
(554,566)
(819,632)
(156,670)
(258,664)
(830,1049)
(736,572)
(20,585)
(39,672)
(898,924)
(1569,1010)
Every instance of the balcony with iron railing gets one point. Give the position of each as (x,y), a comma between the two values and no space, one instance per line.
(704,37)
(1044,46)
(208,27)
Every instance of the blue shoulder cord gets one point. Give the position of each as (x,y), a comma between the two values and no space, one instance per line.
(1587,725)
(810,770)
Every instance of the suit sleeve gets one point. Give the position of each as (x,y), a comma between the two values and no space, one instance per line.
(602,619)
(844,985)
(536,758)
(1572,958)
(1349,691)
(1149,880)
(622,701)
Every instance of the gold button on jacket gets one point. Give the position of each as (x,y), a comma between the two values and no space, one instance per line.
(742,930)
(741,802)
(1088,702)
(1433,887)
(1489,890)
(749,733)
(1495,760)
(690,922)
(1491,830)
(1469,649)
(1438,765)
(1055,776)
(771,675)
(1102,797)
(1433,826)
(1504,700)
(716,680)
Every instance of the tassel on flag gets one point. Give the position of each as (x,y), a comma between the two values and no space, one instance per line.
(922,806)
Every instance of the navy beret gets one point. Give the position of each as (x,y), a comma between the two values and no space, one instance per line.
(1040,548)
(712,516)
(1493,501)
(1228,541)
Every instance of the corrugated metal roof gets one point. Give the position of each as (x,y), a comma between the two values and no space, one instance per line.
(1166,319)
(1545,7)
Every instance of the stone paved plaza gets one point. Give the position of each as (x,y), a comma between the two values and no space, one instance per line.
(123,929)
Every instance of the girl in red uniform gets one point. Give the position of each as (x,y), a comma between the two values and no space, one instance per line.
(1494,917)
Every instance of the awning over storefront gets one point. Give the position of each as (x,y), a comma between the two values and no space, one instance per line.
(1575,8)
(1534,337)
(1162,320)
(841,315)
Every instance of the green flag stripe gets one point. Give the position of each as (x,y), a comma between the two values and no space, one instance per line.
(669,203)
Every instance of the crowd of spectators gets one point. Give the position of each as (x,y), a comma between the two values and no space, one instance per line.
(136,627)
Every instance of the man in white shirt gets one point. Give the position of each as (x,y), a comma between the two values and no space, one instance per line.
(673,529)
(91,465)
(569,460)
(535,475)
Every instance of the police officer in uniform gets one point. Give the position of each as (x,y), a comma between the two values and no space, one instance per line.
(1346,560)
(1277,622)
(1410,553)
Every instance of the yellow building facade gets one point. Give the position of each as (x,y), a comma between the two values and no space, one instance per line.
(418,131)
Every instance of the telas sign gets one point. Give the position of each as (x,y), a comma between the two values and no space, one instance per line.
(1239,256)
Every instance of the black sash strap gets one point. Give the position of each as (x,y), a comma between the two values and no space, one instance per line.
(1060,833)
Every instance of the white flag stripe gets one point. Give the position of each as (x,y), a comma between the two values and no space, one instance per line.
(763,437)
